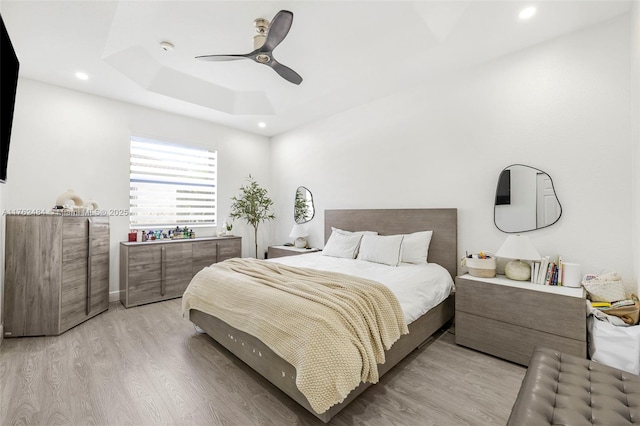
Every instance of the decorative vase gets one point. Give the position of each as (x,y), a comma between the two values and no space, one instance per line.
(517,270)
(300,242)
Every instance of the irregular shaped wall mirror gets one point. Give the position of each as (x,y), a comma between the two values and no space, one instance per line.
(525,200)
(303,210)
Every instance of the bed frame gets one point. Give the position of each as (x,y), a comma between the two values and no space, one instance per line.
(442,250)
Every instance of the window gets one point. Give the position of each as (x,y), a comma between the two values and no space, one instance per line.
(171,185)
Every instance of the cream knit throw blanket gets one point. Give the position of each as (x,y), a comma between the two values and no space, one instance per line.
(333,328)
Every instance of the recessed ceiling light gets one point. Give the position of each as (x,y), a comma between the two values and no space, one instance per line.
(166,46)
(527,12)
(262,124)
(82,75)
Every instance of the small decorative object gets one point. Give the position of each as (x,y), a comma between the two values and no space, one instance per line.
(252,205)
(71,202)
(228,226)
(571,274)
(64,198)
(300,233)
(91,205)
(480,265)
(519,248)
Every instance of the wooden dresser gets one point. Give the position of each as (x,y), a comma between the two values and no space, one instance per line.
(159,270)
(509,318)
(56,272)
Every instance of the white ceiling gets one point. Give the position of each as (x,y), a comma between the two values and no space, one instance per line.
(347,52)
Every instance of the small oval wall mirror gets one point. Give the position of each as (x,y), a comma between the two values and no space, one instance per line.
(303,210)
(525,200)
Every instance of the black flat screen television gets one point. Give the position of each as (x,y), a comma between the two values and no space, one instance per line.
(8,85)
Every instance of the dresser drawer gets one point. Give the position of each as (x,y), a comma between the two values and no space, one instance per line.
(140,292)
(547,312)
(228,249)
(177,251)
(510,341)
(205,254)
(205,250)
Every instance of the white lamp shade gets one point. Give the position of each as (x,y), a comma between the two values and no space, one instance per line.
(298,231)
(518,247)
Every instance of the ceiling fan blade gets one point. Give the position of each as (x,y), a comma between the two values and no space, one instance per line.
(285,72)
(278,30)
(222,58)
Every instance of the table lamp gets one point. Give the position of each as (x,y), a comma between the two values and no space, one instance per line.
(519,248)
(299,232)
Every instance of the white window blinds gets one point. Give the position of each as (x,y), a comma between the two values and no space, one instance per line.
(171,185)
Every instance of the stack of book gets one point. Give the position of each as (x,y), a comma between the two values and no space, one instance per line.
(603,306)
(546,271)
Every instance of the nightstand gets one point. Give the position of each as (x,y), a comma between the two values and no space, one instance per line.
(509,318)
(281,251)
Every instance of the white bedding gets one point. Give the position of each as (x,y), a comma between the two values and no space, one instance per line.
(417,287)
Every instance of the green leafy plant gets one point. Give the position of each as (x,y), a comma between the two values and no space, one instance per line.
(253,205)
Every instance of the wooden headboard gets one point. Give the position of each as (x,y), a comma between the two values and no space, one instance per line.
(443,248)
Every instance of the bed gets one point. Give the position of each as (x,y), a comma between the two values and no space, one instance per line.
(442,251)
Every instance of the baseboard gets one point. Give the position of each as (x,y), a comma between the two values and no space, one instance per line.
(114,296)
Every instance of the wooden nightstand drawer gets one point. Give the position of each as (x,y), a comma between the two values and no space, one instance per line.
(281,251)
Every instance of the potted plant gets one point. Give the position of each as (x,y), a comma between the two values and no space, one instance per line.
(253,205)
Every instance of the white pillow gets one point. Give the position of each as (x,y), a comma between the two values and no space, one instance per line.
(415,247)
(343,232)
(385,249)
(361,233)
(342,245)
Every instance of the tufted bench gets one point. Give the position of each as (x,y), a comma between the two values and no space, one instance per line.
(561,389)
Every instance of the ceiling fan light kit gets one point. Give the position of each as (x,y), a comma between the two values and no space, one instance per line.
(269,36)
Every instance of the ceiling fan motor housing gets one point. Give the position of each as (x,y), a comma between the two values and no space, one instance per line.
(262,27)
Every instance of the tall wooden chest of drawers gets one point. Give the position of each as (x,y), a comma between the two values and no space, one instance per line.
(56,272)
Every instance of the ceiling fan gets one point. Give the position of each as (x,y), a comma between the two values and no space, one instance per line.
(268,38)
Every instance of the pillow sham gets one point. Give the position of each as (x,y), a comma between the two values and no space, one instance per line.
(361,233)
(342,231)
(415,247)
(342,245)
(385,249)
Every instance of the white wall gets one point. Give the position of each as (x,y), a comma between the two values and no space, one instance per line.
(562,107)
(63,139)
(635,128)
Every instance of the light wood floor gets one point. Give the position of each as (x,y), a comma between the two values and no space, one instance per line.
(147,366)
